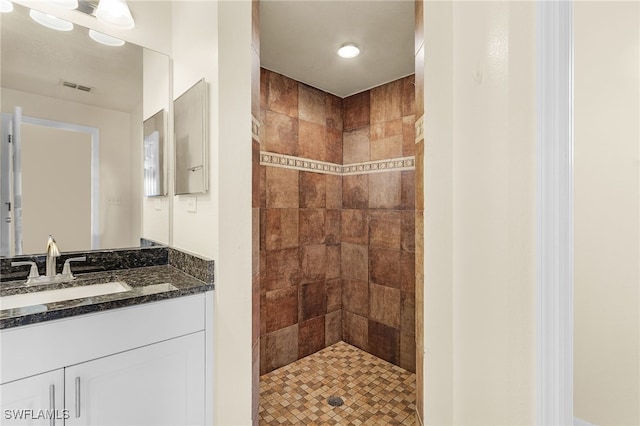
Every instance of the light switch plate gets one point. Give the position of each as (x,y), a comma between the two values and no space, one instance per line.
(192,206)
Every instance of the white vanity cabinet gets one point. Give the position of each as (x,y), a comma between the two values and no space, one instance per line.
(34,400)
(160,384)
(139,365)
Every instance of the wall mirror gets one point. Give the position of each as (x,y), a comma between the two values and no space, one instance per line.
(191,140)
(63,93)
(154,149)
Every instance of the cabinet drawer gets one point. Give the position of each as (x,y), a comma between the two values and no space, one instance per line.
(33,349)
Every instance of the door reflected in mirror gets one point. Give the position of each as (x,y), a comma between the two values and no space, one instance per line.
(154,149)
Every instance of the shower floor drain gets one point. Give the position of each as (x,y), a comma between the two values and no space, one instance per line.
(335,401)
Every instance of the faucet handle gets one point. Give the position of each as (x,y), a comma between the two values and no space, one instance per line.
(66,269)
(33,272)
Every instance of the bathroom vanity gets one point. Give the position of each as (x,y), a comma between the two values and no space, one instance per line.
(135,357)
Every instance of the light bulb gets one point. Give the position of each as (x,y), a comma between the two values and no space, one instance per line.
(349,50)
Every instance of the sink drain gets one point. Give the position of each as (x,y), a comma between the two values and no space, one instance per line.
(335,401)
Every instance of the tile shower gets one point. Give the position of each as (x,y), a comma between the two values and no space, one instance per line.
(337,219)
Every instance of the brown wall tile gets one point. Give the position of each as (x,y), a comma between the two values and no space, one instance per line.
(283,94)
(313,263)
(263,312)
(408,352)
(334,146)
(264,88)
(408,136)
(334,294)
(280,133)
(333,227)
(419,82)
(311,336)
(333,108)
(355,262)
(355,226)
(407,240)
(255,307)
(355,191)
(312,226)
(312,140)
(407,271)
(386,102)
(386,147)
(385,190)
(282,269)
(312,190)
(282,188)
(313,300)
(280,348)
(263,186)
(384,267)
(334,191)
(281,228)
(355,297)
(356,111)
(408,96)
(408,313)
(384,342)
(384,305)
(333,261)
(311,105)
(255,174)
(332,327)
(419,180)
(408,186)
(255,241)
(385,228)
(355,145)
(282,308)
(355,330)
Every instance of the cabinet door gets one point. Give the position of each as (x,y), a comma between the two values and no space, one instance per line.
(36,400)
(159,384)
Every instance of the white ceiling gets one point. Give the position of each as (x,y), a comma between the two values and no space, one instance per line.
(37,59)
(300,38)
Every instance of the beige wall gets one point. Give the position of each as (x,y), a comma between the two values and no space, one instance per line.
(117,170)
(479,220)
(606,212)
(195,45)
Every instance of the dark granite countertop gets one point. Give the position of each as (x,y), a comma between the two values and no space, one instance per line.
(148,284)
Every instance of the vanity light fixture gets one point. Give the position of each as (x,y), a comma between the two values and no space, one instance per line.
(348,50)
(5,6)
(105,39)
(115,13)
(66,4)
(50,21)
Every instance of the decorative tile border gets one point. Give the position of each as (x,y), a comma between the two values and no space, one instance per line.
(307,165)
(255,128)
(420,129)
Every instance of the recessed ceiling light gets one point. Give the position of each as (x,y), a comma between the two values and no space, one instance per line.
(105,39)
(5,6)
(50,21)
(349,50)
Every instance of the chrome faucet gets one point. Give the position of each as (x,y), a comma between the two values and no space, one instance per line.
(52,254)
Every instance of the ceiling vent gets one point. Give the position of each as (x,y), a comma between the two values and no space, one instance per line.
(77,86)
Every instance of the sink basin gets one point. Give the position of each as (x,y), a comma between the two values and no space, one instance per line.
(69,293)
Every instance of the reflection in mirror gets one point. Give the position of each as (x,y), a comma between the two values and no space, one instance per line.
(68,79)
(154,149)
(190,124)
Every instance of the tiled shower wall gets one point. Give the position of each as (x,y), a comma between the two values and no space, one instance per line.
(336,268)
(378,225)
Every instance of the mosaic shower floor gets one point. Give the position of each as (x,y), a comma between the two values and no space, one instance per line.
(374,391)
